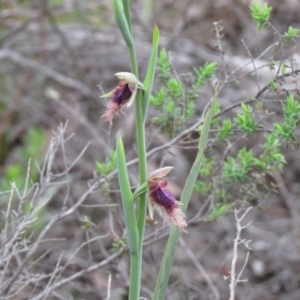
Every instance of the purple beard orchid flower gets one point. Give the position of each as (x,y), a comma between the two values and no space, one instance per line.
(163,200)
(123,94)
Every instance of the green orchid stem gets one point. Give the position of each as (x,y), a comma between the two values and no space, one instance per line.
(141,104)
(134,65)
(135,276)
(136,262)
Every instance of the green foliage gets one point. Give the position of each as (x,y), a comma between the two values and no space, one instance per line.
(271,159)
(291,115)
(203,73)
(207,167)
(203,188)
(291,110)
(163,65)
(236,169)
(34,143)
(243,174)
(56,2)
(273,85)
(32,149)
(118,244)
(176,98)
(226,130)
(86,223)
(291,33)
(216,110)
(204,184)
(12,173)
(219,210)
(284,131)
(240,172)
(108,166)
(165,269)
(260,14)
(245,120)
(272,64)
(283,69)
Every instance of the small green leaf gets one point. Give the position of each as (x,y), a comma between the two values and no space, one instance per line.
(236,169)
(285,131)
(245,119)
(127,198)
(283,69)
(159,98)
(203,73)
(148,83)
(291,33)
(163,64)
(108,166)
(122,23)
(226,130)
(260,14)
(219,210)
(273,85)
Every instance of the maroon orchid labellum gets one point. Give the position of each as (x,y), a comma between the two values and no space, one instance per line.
(123,94)
(163,200)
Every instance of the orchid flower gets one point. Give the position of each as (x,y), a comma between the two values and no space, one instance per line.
(123,94)
(163,200)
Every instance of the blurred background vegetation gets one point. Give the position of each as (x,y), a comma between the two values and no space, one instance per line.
(57,57)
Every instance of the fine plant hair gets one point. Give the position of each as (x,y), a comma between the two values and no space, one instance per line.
(226,175)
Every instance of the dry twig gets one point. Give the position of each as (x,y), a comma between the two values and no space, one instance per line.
(234,280)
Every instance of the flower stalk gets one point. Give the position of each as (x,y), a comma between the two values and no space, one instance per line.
(122,14)
(134,289)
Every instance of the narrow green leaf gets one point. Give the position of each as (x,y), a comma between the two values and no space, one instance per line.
(127,199)
(165,268)
(148,83)
(127,13)
(122,23)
